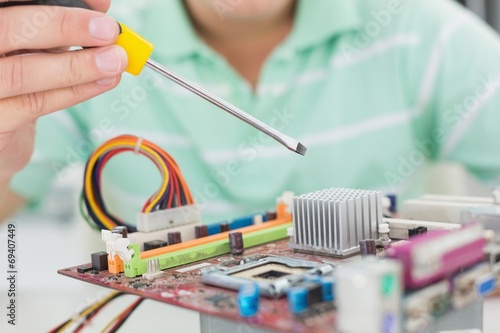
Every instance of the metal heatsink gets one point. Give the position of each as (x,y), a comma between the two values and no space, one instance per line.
(333,221)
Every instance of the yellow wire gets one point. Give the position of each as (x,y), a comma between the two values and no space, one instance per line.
(112,322)
(89,310)
(115,319)
(88,177)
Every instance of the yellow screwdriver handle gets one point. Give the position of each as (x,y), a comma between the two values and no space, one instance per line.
(138,49)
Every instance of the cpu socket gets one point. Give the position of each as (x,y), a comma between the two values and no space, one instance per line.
(274,275)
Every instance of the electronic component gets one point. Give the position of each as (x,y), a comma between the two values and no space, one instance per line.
(304,296)
(174,238)
(248,299)
(236,243)
(441,208)
(270,215)
(186,231)
(368,247)
(298,299)
(169,218)
(99,261)
(416,231)
(400,228)
(155,244)
(224,227)
(201,231)
(384,230)
(393,199)
(489,217)
(173,190)
(423,306)
(370,287)
(153,269)
(434,296)
(275,275)
(429,258)
(328,287)
(206,247)
(334,221)
(87,268)
(122,230)
(464,285)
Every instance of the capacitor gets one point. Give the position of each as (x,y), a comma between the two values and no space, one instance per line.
(248,300)
(328,285)
(297,299)
(368,247)
(224,227)
(270,215)
(201,231)
(394,202)
(174,237)
(120,230)
(236,243)
(154,244)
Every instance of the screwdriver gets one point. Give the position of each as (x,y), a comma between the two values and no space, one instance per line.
(139,51)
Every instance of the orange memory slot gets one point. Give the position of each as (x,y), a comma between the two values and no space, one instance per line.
(282,218)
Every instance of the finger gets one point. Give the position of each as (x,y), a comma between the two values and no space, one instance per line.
(45,27)
(17,111)
(99,5)
(29,73)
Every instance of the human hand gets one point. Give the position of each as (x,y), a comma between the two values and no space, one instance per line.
(36,81)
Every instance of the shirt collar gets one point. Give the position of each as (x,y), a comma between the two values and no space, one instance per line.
(321,20)
(315,22)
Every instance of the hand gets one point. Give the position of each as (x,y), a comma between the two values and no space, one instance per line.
(35,81)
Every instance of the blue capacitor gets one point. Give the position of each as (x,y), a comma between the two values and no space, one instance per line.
(327,285)
(248,300)
(394,202)
(298,299)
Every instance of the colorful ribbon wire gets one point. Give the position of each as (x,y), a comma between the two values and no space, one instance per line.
(173,191)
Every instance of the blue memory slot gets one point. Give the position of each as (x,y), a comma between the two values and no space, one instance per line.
(213,229)
(241,222)
(237,223)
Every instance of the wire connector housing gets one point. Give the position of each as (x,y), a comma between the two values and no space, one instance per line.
(169,218)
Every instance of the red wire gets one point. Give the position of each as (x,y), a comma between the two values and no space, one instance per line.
(125,314)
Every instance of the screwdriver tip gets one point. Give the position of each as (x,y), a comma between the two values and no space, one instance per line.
(301,149)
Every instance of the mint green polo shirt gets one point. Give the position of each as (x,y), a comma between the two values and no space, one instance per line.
(375,89)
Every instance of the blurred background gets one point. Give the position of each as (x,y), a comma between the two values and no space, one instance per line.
(488,10)
(56,237)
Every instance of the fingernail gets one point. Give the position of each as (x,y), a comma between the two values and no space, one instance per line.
(107,81)
(110,59)
(103,28)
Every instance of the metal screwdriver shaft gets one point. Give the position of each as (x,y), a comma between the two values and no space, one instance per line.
(285,140)
(139,49)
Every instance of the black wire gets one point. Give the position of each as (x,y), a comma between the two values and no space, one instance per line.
(115,329)
(100,202)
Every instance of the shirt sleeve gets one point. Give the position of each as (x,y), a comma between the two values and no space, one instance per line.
(455,81)
(59,146)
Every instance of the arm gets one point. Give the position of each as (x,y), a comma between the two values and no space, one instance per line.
(10,203)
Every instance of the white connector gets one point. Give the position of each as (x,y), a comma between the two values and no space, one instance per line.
(399,228)
(187,233)
(496,196)
(287,199)
(117,245)
(169,218)
(153,269)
